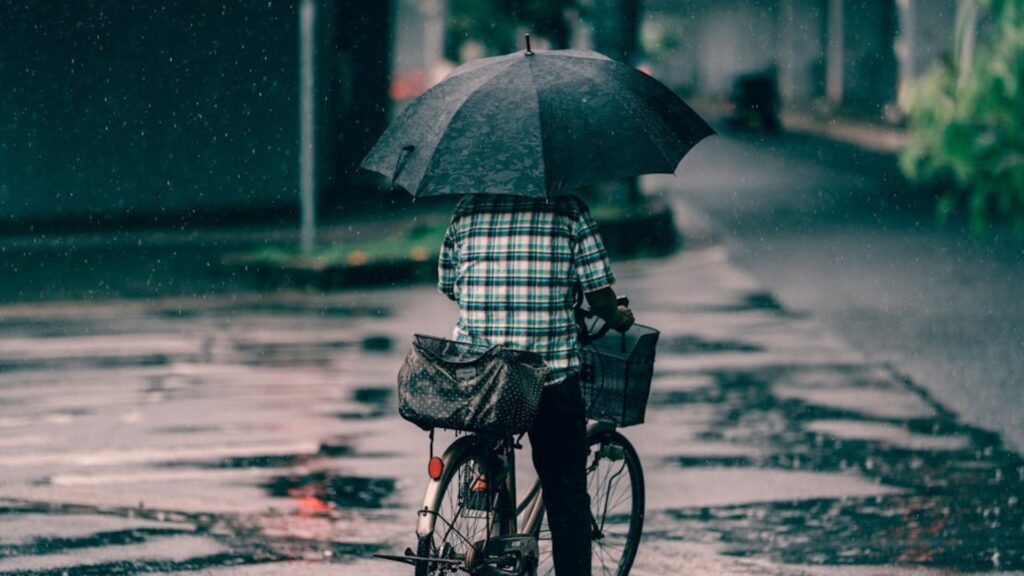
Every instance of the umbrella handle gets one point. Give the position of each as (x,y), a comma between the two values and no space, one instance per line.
(398,163)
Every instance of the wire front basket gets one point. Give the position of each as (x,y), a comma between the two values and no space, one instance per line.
(616,375)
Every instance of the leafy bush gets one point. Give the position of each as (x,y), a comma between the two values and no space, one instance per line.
(967,121)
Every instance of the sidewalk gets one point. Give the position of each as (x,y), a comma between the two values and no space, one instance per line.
(166,262)
(391,247)
(876,137)
(873,137)
(235,436)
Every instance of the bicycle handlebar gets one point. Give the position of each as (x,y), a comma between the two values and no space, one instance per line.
(586,336)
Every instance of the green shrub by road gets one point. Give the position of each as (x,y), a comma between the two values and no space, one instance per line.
(417,242)
(400,252)
(967,119)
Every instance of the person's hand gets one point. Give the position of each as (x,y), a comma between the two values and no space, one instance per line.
(626,319)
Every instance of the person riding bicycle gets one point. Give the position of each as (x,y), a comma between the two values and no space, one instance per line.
(515,266)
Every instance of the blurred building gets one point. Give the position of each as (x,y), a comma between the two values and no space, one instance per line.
(175,111)
(418,51)
(848,54)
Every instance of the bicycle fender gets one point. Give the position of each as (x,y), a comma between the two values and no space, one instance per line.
(431,500)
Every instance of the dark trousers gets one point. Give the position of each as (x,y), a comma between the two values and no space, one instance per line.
(560,451)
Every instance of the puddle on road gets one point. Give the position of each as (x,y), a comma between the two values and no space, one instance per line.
(331,448)
(240,538)
(72,363)
(288,309)
(235,539)
(916,529)
(336,447)
(290,354)
(51,545)
(378,343)
(185,430)
(374,402)
(320,491)
(48,328)
(375,396)
(238,462)
(961,507)
(690,344)
(756,301)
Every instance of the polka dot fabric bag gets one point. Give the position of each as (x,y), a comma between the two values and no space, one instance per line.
(461,386)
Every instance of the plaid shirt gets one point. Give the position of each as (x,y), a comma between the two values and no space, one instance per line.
(514,264)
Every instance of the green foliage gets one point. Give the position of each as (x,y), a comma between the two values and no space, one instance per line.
(417,241)
(967,121)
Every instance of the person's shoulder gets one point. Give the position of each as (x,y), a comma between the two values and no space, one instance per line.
(571,206)
(467,206)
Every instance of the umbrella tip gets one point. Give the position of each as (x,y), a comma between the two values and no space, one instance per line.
(529,52)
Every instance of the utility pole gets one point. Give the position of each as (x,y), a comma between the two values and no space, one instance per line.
(307,176)
(616,35)
(834,73)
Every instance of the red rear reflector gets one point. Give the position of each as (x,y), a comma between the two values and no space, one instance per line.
(480,484)
(435,467)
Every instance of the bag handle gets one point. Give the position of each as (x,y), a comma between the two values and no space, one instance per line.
(435,357)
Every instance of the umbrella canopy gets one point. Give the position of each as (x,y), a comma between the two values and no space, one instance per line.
(535,124)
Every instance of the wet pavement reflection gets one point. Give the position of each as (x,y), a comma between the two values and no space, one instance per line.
(960,504)
(323,490)
(258,434)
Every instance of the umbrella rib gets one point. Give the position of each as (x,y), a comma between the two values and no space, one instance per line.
(540,125)
(631,112)
(458,109)
(380,159)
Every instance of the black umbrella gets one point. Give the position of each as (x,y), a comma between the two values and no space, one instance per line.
(535,124)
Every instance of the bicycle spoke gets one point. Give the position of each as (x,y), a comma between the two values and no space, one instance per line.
(604,563)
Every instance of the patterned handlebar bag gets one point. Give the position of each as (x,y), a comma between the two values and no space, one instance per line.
(468,387)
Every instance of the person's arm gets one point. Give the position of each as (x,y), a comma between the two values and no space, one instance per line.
(604,304)
(594,273)
(447,263)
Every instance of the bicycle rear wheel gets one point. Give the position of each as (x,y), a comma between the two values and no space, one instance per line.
(615,483)
(463,515)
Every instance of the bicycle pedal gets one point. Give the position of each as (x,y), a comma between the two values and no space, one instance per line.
(510,551)
(519,544)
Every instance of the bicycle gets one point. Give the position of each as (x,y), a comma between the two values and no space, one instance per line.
(470,520)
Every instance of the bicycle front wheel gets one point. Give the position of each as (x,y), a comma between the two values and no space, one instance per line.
(615,483)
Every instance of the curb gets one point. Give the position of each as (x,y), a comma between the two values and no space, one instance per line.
(654,233)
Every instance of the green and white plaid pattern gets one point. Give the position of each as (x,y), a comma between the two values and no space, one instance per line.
(513,264)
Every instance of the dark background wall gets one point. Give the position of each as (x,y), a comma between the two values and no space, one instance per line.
(355,60)
(170,110)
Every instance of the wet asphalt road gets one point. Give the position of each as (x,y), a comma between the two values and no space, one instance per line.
(257,435)
(833,230)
